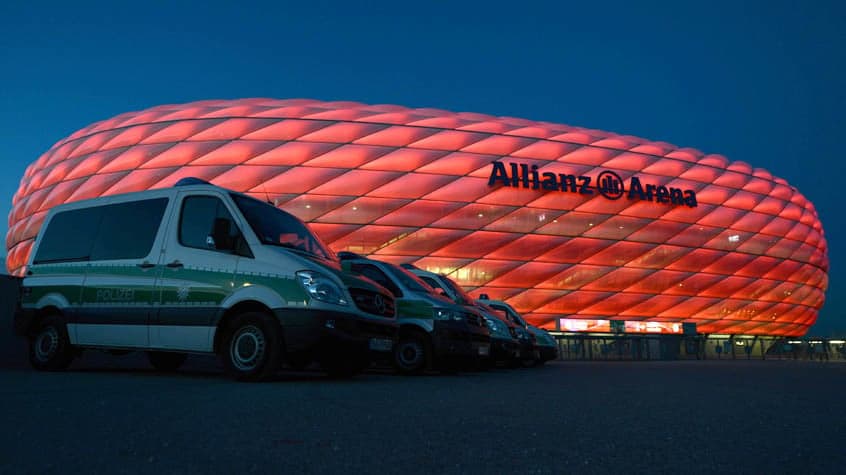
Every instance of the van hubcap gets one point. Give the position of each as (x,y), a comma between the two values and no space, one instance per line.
(46,343)
(410,353)
(247,348)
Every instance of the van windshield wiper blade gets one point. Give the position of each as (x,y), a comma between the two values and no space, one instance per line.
(291,247)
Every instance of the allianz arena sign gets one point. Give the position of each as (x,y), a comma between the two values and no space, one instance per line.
(607,184)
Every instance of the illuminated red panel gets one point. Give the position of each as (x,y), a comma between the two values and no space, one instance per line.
(128,137)
(615,301)
(286,130)
(361,210)
(348,156)
(472,216)
(574,302)
(182,153)
(403,160)
(618,279)
(476,245)
(179,131)
(575,277)
(396,136)
(619,253)
(419,213)
(464,189)
(372,238)
(696,284)
(449,140)
(355,182)
(653,306)
(529,274)
(424,242)
(544,150)
(411,185)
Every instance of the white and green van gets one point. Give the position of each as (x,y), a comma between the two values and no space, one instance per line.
(196,269)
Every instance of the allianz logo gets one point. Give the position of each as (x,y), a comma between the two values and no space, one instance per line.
(607,183)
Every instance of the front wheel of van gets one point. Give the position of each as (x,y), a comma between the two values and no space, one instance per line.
(252,348)
(49,346)
(165,360)
(411,354)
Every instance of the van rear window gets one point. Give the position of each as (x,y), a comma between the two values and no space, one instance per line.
(115,231)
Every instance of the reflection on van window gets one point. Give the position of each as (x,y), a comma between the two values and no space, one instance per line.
(115,231)
(410,280)
(68,236)
(278,228)
(205,223)
(461,295)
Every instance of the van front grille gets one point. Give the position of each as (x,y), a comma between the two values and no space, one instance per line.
(373,302)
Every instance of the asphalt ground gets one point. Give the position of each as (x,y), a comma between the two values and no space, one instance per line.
(116,415)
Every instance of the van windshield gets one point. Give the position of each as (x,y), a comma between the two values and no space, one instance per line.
(409,280)
(461,296)
(278,228)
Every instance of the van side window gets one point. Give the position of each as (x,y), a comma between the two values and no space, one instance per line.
(115,231)
(205,223)
(69,236)
(128,230)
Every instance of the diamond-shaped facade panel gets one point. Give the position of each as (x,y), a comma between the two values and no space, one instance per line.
(559,221)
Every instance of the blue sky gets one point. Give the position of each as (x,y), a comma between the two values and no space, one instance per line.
(762,82)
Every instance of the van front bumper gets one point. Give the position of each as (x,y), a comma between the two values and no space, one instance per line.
(457,339)
(314,330)
(504,349)
(548,353)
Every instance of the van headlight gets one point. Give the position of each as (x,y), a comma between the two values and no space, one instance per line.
(321,287)
(445,314)
(496,326)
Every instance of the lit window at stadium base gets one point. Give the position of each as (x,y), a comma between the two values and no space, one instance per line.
(660,234)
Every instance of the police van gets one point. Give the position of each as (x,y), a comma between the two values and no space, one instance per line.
(196,269)
(434,332)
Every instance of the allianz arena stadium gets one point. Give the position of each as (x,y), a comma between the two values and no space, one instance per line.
(581,230)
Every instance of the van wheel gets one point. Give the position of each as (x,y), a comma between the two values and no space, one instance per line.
(49,346)
(165,360)
(252,347)
(411,354)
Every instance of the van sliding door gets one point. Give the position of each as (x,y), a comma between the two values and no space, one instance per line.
(117,295)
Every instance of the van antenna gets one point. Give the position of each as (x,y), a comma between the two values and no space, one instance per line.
(266,195)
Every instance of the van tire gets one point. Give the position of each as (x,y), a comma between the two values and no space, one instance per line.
(412,354)
(252,347)
(49,346)
(165,360)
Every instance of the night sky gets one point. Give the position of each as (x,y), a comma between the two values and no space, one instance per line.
(761,82)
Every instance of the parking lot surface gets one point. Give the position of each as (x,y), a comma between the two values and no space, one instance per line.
(115,415)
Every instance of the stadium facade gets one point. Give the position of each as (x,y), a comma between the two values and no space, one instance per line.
(581,230)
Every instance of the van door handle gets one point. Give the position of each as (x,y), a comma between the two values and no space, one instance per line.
(175,265)
(146,265)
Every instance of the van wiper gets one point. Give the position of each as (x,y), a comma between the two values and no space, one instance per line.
(295,248)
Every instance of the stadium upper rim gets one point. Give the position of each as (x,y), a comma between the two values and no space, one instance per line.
(388,114)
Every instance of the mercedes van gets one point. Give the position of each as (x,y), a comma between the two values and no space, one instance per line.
(435,333)
(196,268)
(547,345)
(516,350)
